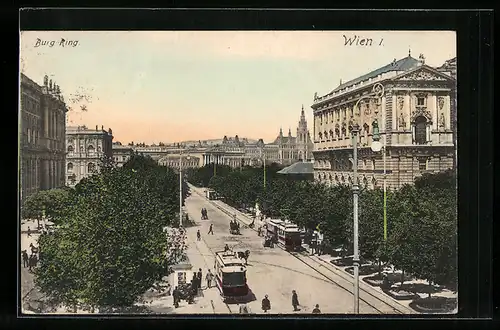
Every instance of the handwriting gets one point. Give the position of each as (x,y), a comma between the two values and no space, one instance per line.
(360,41)
(51,43)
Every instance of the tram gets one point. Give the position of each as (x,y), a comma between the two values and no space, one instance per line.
(285,233)
(230,275)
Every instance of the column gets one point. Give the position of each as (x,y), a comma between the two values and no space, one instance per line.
(435,111)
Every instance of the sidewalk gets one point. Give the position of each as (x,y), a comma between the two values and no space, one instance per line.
(377,292)
(202,257)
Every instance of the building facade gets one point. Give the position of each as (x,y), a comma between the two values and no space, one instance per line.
(415,116)
(121,153)
(85,150)
(42,142)
(284,150)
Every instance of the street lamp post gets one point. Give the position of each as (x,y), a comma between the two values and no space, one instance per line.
(180,187)
(377,92)
(263,158)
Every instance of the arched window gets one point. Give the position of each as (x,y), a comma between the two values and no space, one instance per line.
(91,167)
(90,149)
(70,149)
(81,149)
(70,166)
(98,148)
(365,181)
(420,130)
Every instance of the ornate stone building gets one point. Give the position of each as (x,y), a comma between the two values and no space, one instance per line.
(85,149)
(121,153)
(284,150)
(415,116)
(42,142)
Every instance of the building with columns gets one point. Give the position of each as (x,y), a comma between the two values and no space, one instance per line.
(416,116)
(41,133)
(121,153)
(85,150)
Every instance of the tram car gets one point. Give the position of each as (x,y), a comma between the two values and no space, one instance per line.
(230,275)
(285,234)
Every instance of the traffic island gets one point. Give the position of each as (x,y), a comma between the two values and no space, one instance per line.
(363,270)
(400,294)
(434,305)
(377,279)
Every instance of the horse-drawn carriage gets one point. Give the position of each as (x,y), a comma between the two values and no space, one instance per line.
(234,228)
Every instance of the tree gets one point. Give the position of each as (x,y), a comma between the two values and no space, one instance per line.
(49,203)
(112,248)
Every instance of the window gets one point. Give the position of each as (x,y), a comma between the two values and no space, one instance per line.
(91,167)
(70,167)
(422,164)
(373,164)
(29,135)
(90,149)
(70,149)
(81,149)
(420,101)
(420,130)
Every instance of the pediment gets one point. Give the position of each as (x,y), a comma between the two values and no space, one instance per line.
(422,74)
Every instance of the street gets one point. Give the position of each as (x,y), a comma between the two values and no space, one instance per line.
(270,271)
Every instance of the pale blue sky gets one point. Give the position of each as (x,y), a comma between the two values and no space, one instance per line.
(171,86)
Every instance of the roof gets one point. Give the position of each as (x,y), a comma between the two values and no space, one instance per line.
(298,168)
(285,139)
(234,269)
(403,64)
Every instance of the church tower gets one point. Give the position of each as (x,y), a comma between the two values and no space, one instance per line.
(304,143)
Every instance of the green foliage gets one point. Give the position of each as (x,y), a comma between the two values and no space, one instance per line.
(421,219)
(52,203)
(112,248)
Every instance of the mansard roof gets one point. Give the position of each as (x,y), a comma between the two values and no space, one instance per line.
(284,139)
(403,64)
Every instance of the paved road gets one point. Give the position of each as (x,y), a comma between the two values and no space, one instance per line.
(272,271)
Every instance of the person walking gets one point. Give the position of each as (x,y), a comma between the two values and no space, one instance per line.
(198,235)
(175,295)
(209,277)
(316,310)
(211,229)
(25,258)
(295,301)
(199,277)
(29,231)
(266,304)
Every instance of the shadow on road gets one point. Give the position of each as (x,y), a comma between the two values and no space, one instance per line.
(242,300)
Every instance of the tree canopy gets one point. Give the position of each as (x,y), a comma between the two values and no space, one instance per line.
(112,247)
(421,219)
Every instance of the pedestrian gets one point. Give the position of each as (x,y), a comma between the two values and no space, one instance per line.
(209,277)
(30,262)
(199,278)
(316,310)
(295,301)
(198,235)
(25,258)
(211,229)
(192,292)
(29,231)
(175,295)
(266,304)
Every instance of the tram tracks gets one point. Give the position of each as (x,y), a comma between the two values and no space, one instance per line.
(333,276)
(347,285)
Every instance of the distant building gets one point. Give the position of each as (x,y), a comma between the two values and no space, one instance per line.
(416,116)
(42,139)
(284,150)
(86,148)
(121,153)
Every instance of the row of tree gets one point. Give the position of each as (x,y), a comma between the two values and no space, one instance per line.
(110,246)
(421,225)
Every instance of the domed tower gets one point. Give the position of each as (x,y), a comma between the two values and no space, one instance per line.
(304,142)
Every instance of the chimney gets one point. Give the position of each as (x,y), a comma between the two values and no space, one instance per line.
(96,127)
(102,127)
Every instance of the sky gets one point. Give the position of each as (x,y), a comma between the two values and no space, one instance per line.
(168,86)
